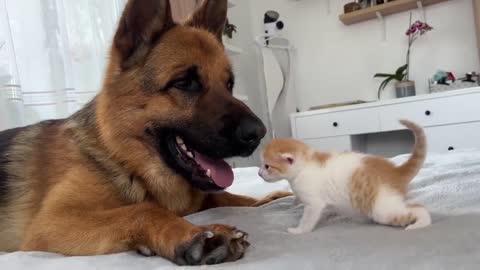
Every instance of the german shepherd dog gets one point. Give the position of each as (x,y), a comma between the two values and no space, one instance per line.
(121,173)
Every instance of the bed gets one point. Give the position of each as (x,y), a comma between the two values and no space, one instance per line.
(449,185)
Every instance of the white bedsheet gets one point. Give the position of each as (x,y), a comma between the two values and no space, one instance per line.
(449,186)
(247,182)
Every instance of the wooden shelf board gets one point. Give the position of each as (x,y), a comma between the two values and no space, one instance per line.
(384,9)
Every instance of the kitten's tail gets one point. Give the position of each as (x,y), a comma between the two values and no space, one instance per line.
(410,168)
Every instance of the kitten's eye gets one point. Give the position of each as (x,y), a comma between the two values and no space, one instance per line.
(188,84)
(267,167)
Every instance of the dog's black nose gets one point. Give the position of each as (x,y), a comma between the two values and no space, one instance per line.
(250,131)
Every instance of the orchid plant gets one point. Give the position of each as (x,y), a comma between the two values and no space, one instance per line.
(415,30)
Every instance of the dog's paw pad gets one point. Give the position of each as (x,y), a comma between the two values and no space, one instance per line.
(216,245)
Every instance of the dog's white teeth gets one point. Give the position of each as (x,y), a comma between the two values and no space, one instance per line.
(184,147)
(180,141)
(189,154)
(209,173)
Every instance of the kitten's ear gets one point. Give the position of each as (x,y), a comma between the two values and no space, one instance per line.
(288,157)
(143,22)
(212,16)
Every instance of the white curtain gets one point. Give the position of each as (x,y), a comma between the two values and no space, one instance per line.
(52,56)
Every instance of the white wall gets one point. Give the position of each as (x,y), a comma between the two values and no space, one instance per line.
(336,63)
(246,66)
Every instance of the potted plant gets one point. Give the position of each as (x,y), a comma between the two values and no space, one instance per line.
(403,86)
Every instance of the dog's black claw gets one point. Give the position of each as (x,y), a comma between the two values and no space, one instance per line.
(145,251)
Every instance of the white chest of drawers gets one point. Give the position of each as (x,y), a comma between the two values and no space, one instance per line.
(451,121)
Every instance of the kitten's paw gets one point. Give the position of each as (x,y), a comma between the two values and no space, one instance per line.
(295,231)
(417,226)
(423,218)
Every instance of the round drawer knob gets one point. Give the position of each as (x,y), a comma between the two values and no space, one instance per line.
(335,124)
(451,148)
(428,113)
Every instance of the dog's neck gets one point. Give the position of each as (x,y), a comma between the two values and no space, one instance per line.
(84,129)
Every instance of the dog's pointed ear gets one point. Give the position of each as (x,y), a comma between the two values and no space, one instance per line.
(142,23)
(212,16)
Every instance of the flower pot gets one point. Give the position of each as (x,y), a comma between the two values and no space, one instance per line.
(405,89)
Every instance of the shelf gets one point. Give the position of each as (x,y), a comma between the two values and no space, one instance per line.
(384,10)
(232,50)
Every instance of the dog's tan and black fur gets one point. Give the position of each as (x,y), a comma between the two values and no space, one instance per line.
(106,179)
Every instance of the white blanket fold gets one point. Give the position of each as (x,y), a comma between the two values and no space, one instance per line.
(449,186)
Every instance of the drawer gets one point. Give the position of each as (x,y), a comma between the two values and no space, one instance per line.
(332,144)
(337,124)
(453,137)
(434,112)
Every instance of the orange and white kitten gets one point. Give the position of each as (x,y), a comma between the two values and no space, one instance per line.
(351,183)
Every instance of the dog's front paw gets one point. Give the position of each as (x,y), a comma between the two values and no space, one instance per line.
(272,197)
(217,244)
(295,231)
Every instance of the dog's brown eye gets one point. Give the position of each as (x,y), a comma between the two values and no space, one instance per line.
(188,84)
(267,167)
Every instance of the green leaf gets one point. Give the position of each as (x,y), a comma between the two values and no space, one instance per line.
(385,83)
(401,70)
(382,86)
(398,77)
(383,75)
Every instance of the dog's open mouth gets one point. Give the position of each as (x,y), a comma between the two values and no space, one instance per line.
(218,171)
(201,171)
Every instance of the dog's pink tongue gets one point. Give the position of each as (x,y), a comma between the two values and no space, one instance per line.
(222,173)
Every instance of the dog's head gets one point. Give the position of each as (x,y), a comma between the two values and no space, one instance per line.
(169,86)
